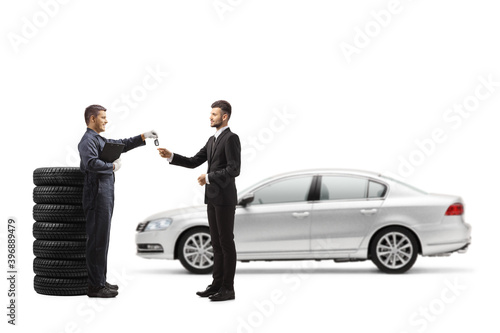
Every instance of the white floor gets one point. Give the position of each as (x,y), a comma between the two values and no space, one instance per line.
(437,295)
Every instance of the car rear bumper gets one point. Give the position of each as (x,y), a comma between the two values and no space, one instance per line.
(446,238)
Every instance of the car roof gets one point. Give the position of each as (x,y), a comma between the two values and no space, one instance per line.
(326,171)
(321,171)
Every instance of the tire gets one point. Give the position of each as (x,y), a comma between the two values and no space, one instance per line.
(60,287)
(58,213)
(49,249)
(71,195)
(59,231)
(187,251)
(394,250)
(60,268)
(62,176)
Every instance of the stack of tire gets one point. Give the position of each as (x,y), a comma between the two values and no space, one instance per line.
(59,231)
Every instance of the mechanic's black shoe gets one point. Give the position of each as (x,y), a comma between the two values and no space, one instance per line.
(111,286)
(211,290)
(102,292)
(223,295)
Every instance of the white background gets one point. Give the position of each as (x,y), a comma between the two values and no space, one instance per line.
(375,109)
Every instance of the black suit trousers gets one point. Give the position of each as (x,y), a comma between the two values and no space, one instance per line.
(221,223)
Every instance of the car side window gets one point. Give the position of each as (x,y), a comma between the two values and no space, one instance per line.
(288,190)
(343,188)
(376,190)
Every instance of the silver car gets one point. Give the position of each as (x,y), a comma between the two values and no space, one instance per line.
(344,215)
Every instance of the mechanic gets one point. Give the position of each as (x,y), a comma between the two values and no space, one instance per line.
(98,196)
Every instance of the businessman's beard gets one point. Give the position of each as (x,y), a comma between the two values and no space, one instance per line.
(217,125)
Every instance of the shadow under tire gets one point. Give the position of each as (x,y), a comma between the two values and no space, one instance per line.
(195,252)
(394,250)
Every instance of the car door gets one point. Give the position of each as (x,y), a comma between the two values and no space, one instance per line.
(346,208)
(276,224)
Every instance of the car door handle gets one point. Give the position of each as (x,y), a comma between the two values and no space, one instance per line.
(300,215)
(368,211)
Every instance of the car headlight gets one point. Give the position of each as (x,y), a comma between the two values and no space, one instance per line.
(159,224)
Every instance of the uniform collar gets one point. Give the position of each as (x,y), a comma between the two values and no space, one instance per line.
(91,131)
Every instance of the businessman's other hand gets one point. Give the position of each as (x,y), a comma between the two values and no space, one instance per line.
(165,153)
(151,135)
(117,164)
(202,180)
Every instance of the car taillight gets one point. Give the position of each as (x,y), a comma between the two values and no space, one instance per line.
(455,209)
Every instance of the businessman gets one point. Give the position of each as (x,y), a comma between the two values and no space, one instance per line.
(223,153)
(98,196)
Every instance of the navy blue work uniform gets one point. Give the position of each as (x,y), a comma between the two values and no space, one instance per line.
(98,200)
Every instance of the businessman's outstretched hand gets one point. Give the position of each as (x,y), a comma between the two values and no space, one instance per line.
(151,135)
(117,164)
(165,153)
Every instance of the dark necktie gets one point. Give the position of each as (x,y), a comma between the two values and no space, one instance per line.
(213,147)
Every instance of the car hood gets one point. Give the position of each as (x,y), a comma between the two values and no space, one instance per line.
(185,211)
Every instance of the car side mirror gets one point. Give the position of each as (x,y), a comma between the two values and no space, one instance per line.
(247,198)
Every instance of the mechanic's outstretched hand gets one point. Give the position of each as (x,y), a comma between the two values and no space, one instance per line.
(151,135)
(165,153)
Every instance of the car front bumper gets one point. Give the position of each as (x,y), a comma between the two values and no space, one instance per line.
(155,245)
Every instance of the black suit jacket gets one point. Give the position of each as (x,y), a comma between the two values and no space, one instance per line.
(224,160)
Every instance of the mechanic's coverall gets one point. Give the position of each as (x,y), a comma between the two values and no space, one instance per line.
(98,200)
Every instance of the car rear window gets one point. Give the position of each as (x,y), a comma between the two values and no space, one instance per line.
(404,184)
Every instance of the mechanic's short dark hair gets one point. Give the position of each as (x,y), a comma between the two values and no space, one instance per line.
(93,110)
(224,106)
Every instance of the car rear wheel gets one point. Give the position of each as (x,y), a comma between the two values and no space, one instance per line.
(195,251)
(394,250)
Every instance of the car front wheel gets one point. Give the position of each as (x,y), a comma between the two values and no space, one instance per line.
(195,251)
(394,250)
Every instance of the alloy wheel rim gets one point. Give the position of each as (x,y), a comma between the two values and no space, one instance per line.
(394,250)
(198,251)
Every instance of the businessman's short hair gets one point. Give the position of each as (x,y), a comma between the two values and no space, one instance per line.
(224,106)
(92,110)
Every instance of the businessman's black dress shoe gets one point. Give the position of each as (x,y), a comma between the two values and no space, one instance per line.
(211,290)
(223,295)
(111,286)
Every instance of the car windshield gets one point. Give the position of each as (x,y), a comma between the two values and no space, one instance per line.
(404,184)
(241,193)
(254,186)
